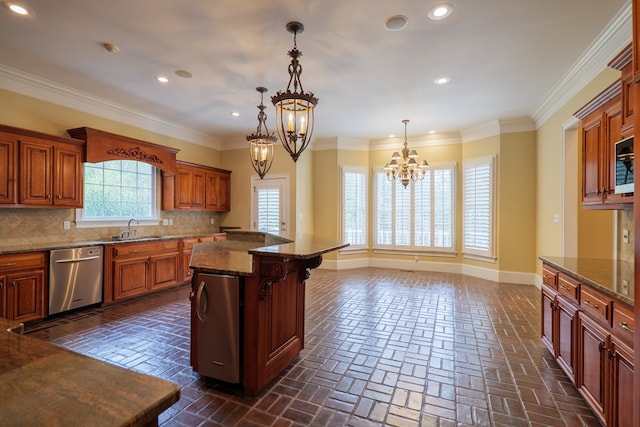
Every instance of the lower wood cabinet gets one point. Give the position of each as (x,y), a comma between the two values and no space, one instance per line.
(22,286)
(134,269)
(591,336)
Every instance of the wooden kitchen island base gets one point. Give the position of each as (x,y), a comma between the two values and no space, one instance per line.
(272,302)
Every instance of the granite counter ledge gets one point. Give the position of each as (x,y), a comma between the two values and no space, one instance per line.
(42,384)
(606,275)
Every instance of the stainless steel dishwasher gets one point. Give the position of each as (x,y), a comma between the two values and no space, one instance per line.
(75,278)
(217,308)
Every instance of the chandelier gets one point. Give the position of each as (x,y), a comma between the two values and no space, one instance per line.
(261,144)
(409,169)
(294,109)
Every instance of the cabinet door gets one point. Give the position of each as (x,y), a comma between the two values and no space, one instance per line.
(68,181)
(198,188)
(592,359)
(621,356)
(592,163)
(3,297)
(183,189)
(130,278)
(211,191)
(548,312)
(164,270)
(35,173)
(612,134)
(224,192)
(8,170)
(25,296)
(566,342)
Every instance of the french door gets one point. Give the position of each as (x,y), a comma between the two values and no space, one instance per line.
(270,204)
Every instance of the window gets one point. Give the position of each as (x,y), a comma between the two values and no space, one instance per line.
(420,217)
(118,190)
(478,207)
(354,207)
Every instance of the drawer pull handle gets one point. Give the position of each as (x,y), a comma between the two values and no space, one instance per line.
(563,287)
(586,302)
(626,327)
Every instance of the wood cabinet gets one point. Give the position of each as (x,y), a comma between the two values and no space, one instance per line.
(602,121)
(591,336)
(8,170)
(40,170)
(195,187)
(187,249)
(22,286)
(137,268)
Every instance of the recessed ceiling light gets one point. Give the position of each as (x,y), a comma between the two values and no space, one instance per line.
(17,8)
(392,136)
(396,23)
(235,114)
(162,79)
(442,80)
(432,131)
(440,11)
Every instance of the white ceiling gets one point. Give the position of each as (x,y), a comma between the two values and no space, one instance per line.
(505,58)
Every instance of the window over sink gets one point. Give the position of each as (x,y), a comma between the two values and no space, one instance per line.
(116,191)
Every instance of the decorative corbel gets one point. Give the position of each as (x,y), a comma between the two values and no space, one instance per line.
(272,270)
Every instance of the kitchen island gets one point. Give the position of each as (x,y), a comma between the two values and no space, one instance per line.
(259,284)
(45,385)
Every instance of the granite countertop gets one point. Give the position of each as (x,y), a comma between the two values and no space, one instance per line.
(235,257)
(43,384)
(613,277)
(33,247)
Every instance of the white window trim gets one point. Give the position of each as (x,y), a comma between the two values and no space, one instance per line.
(82,222)
(472,253)
(430,251)
(363,170)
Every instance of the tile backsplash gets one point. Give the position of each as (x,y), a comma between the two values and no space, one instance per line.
(37,226)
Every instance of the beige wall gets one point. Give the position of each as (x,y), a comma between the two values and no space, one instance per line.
(549,179)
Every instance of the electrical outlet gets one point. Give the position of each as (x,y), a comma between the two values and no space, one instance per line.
(66,225)
(170,221)
(165,222)
(625,236)
(213,220)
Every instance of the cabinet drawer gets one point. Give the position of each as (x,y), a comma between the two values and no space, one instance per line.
(549,276)
(189,242)
(568,286)
(147,247)
(595,304)
(623,322)
(25,261)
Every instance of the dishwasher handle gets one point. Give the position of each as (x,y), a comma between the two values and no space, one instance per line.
(201,313)
(63,261)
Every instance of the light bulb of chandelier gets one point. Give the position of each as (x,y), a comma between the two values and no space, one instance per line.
(396,155)
(413,154)
(412,163)
(393,163)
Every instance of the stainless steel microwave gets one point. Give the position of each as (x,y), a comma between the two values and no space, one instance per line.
(624,166)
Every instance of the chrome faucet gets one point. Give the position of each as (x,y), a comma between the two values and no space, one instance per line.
(126,234)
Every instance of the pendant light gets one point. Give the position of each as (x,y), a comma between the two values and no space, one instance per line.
(261,144)
(294,107)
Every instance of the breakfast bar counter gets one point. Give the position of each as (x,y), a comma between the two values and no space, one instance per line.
(258,281)
(43,384)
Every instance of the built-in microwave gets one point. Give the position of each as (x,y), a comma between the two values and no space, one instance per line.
(624,166)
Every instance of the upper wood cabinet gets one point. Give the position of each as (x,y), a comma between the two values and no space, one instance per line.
(39,170)
(195,187)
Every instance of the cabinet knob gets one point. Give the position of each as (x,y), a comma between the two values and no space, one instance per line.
(59,196)
(13,284)
(601,346)
(1,284)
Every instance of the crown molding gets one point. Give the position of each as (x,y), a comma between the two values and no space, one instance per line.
(615,37)
(27,84)
(498,127)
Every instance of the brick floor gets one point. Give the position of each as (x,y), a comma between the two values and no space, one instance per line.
(382,347)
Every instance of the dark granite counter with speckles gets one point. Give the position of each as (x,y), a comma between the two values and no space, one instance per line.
(613,277)
(42,384)
(234,256)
